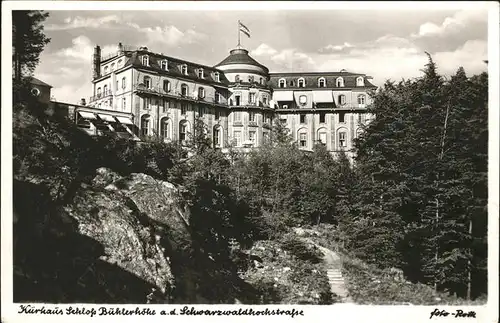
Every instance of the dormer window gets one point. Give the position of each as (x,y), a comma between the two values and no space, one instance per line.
(261,81)
(201,93)
(282,83)
(217,77)
(250,79)
(105,70)
(184,69)
(322,82)
(164,65)
(302,82)
(237,78)
(339,82)
(217,97)
(360,81)
(145,60)
(200,73)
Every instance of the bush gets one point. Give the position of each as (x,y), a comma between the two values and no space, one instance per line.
(302,250)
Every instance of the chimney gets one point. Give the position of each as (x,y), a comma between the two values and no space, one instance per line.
(120,48)
(96,62)
(82,101)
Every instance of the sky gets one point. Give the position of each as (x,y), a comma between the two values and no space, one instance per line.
(384,44)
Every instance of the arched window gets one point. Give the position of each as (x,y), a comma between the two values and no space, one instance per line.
(105,70)
(321,82)
(342,135)
(250,79)
(98,92)
(360,81)
(124,83)
(237,78)
(112,67)
(201,93)
(183,131)
(282,83)
(164,64)
(361,99)
(341,99)
(105,89)
(164,129)
(184,90)
(301,82)
(217,137)
(166,86)
(339,82)
(119,64)
(145,124)
(145,60)
(147,82)
(302,134)
(201,73)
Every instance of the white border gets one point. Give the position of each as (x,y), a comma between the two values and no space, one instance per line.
(345,312)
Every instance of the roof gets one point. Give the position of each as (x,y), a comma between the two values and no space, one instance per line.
(174,67)
(240,56)
(36,81)
(311,80)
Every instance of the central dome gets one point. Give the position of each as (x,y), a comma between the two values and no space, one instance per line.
(239,58)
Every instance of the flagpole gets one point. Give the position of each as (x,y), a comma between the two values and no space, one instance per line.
(239,45)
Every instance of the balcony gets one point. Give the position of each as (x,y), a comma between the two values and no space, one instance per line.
(159,91)
(100,96)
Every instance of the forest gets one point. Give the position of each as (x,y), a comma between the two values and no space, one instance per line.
(414,197)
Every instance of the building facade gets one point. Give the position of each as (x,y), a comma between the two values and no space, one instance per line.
(140,93)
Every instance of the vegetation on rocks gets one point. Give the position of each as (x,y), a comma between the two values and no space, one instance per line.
(104,219)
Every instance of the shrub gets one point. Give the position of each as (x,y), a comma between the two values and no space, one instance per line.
(302,250)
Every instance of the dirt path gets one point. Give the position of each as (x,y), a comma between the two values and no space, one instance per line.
(334,273)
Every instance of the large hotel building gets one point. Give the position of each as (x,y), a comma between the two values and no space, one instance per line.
(139,93)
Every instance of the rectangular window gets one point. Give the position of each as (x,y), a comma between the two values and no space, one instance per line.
(251,116)
(342,117)
(237,138)
(359,118)
(302,118)
(217,97)
(201,110)
(182,132)
(322,117)
(237,117)
(251,98)
(217,115)
(342,140)
(184,69)
(264,100)
(147,104)
(251,137)
(124,83)
(283,120)
(217,77)
(183,108)
(124,104)
(166,106)
(302,140)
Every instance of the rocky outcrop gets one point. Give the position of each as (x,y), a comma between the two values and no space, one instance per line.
(114,242)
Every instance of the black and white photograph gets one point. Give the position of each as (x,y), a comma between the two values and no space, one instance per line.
(222,155)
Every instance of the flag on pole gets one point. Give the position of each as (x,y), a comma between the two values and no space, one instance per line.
(244,29)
